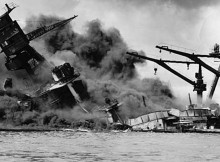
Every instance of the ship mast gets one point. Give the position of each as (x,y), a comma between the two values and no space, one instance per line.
(15,43)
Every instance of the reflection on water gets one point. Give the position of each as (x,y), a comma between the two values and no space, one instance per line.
(132,146)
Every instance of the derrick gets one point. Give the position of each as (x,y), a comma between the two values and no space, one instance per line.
(199,86)
(195,58)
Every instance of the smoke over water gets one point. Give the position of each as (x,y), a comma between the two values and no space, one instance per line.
(100,56)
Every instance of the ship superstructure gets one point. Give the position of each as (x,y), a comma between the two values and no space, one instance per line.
(64,88)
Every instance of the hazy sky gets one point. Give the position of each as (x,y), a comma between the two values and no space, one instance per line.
(192,24)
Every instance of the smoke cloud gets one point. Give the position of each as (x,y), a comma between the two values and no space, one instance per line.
(100,56)
(101,50)
(180,4)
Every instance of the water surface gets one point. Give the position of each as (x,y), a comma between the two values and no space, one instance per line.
(89,147)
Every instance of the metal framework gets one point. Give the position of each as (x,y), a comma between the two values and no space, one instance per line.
(195,57)
(199,86)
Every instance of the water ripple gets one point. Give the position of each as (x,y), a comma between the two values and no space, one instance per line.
(133,146)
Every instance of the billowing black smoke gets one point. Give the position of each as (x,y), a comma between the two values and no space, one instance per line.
(100,56)
(100,50)
(138,96)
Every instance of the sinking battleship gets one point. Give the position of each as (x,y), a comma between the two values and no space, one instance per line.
(63,88)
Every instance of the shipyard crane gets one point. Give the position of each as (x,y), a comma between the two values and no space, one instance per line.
(195,57)
(15,43)
(199,86)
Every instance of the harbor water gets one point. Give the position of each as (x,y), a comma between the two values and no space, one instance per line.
(88,146)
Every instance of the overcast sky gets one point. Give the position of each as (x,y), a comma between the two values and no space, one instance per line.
(192,24)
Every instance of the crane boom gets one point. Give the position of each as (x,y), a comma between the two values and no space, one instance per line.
(161,63)
(38,32)
(199,86)
(192,57)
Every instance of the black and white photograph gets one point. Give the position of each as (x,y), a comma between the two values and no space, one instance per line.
(109,80)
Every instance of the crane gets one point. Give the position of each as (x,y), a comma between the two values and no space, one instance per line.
(195,58)
(199,86)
